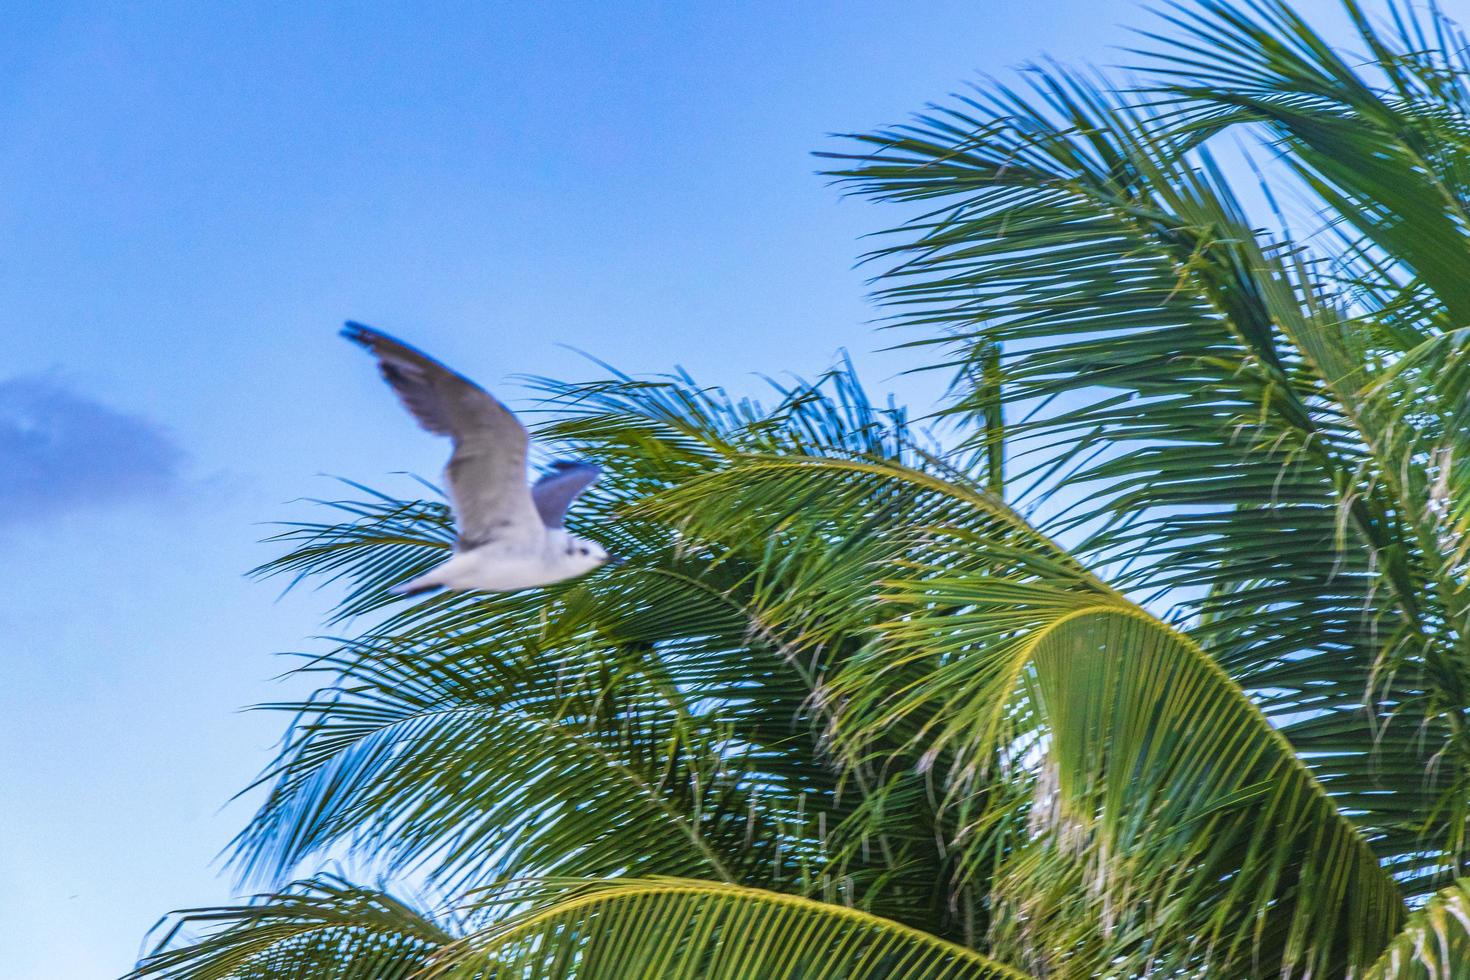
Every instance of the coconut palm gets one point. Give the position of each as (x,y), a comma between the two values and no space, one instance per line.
(1150,659)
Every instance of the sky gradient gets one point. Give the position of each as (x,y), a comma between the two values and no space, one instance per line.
(196,195)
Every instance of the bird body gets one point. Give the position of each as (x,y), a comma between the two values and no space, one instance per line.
(511,535)
(508,567)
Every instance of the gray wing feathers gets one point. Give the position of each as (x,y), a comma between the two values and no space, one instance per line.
(486,475)
(555,491)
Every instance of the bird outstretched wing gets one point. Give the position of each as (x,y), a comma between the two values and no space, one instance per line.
(486,474)
(553,493)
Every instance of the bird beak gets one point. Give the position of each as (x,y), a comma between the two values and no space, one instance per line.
(613,561)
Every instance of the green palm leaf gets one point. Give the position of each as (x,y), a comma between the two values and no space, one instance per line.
(322,929)
(326,929)
(1204,416)
(1435,942)
(993,637)
(1165,776)
(672,928)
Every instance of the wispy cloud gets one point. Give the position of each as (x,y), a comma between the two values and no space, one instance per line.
(61,450)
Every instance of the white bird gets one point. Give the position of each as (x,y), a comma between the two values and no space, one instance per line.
(511,536)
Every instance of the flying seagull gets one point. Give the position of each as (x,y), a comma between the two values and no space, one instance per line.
(511,536)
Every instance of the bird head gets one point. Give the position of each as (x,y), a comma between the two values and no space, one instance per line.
(587,555)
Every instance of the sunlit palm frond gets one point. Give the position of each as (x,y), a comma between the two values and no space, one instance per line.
(326,929)
(1435,942)
(678,929)
(1163,780)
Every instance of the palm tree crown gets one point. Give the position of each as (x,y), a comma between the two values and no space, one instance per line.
(1154,662)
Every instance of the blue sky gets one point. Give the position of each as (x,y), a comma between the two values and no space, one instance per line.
(194,196)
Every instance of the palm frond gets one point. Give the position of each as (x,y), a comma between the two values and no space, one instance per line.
(1198,403)
(1435,942)
(995,649)
(1386,144)
(321,929)
(673,928)
(1164,780)
(510,738)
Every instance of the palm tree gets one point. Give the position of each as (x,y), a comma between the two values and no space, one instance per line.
(1153,661)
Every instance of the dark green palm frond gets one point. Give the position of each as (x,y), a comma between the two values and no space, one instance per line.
(381,539)
(1386,146)
(1426,396)
(1386,143)
(687,929)
(515,742)
(322,929)
(671,427)
(1408,109)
